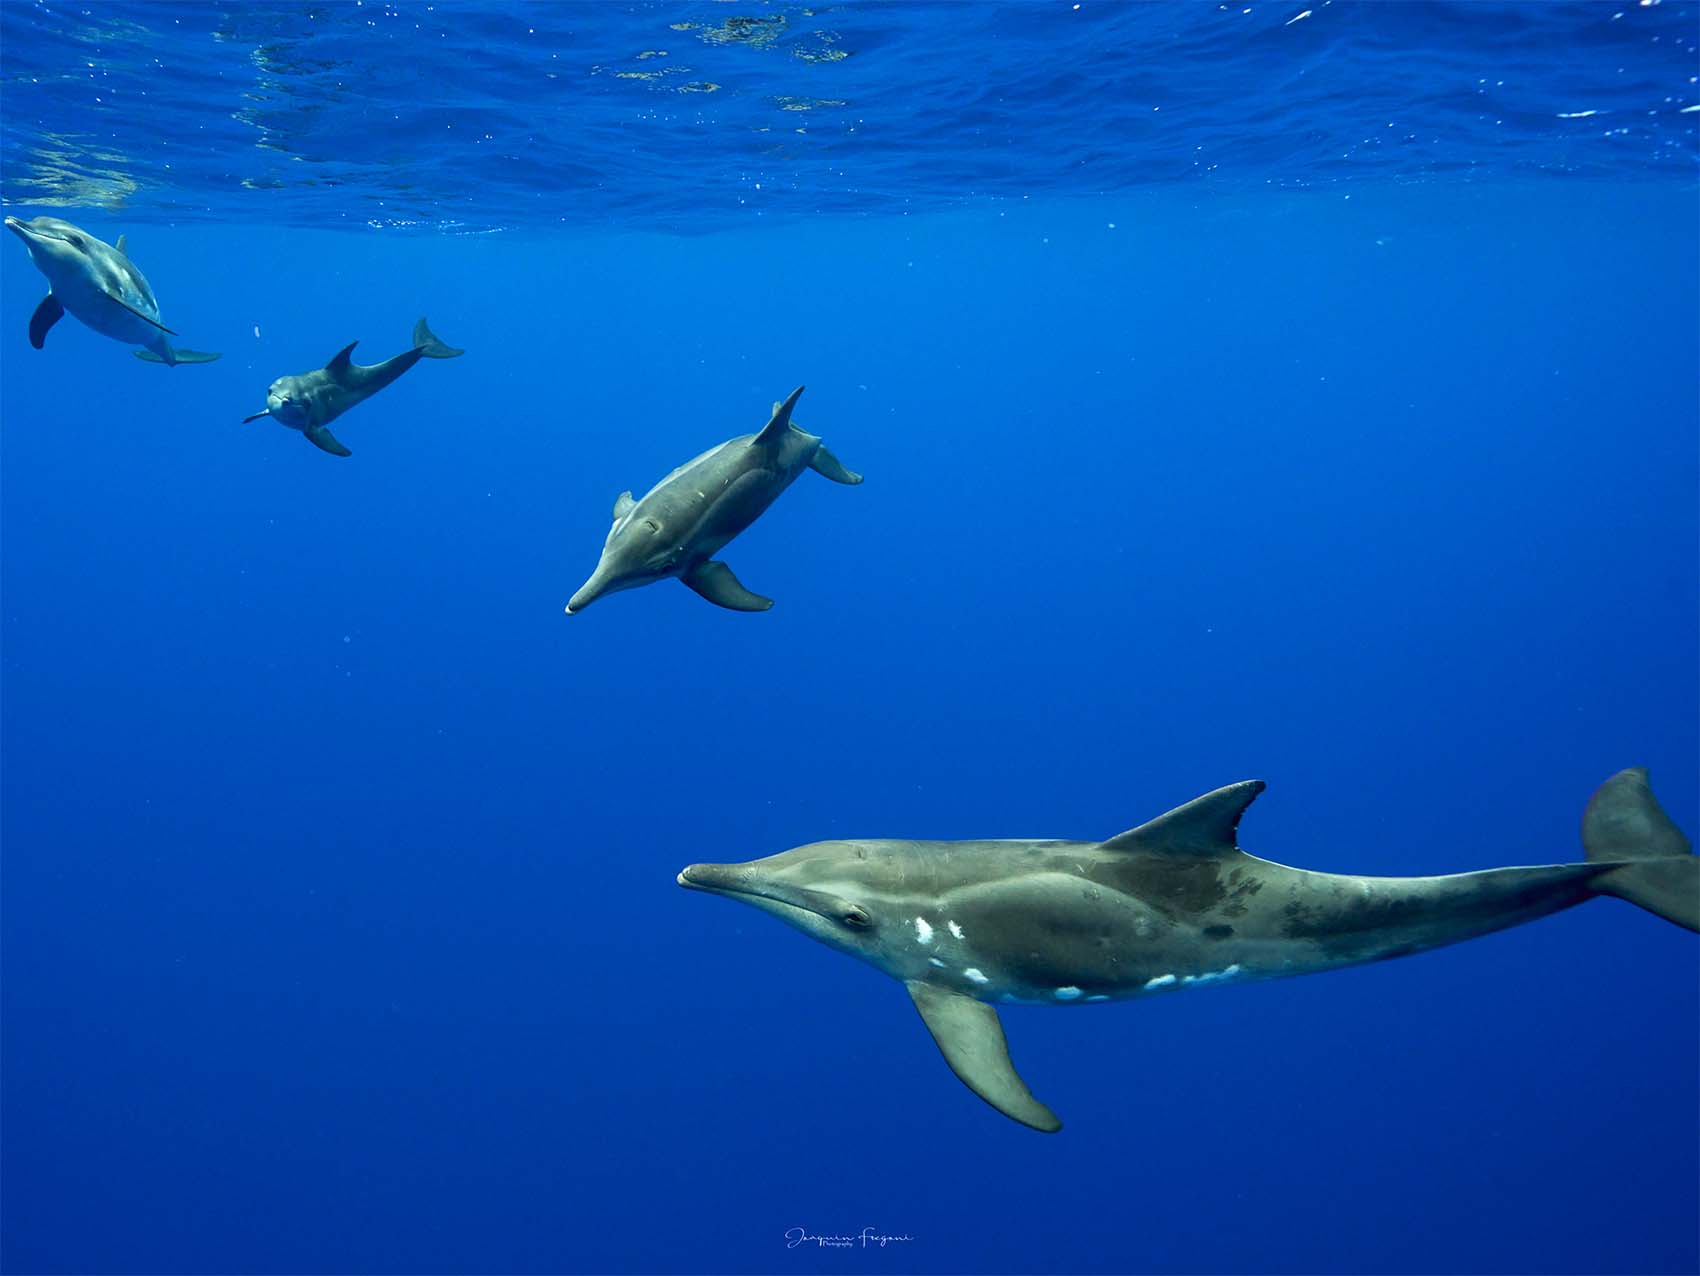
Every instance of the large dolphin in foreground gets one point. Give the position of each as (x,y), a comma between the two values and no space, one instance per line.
(100,285)
(313,400)
(686,518)
(1169,905)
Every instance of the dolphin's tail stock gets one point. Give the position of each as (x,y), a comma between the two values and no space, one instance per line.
(1625,824)
(428,344)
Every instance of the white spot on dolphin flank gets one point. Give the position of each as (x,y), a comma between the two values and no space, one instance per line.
(935,961)
(1162,981)
(1066,994)
(975,975)
(923,932)
(955,930)
(1212,976)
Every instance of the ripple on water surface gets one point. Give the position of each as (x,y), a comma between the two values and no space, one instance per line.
(692,116)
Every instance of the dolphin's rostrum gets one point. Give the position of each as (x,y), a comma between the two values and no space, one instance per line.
(313,400)
(686,518)
(1172,904)
(99,284)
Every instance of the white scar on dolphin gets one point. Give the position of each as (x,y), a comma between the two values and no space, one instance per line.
(1170,905)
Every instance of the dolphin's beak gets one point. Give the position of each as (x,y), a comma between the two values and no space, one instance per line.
(734,881)
(18,228)
(750,883)
(588,593)
(256,416)
(715,878)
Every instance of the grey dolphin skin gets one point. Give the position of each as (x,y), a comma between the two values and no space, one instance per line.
(686,518)
(312,400)
(99,284)
(1170,905)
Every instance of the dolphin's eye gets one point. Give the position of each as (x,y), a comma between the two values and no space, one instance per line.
(856,917)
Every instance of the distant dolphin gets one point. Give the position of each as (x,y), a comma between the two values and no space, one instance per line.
(1169,905)
(686,518)
(314,399)
(98,284)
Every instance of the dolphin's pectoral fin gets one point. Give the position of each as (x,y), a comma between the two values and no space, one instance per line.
(117,300)
(48,313)
(781,419)
(623,504)
(322,438)
(1207,825)
(337,368)
(715,582)
(197,356)
(971,1039)
(824,463)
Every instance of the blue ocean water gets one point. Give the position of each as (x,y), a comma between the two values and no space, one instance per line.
(1299,393)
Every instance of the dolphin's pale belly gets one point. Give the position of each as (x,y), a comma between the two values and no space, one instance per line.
(95,309)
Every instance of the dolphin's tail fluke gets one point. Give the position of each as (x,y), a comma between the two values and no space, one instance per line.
(428,344)
(1625,824)
(177,357)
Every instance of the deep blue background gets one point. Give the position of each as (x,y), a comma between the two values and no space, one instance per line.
(340,930)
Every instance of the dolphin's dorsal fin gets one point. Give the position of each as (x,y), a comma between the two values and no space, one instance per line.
(338,366)
(1207,825)
(122,240)
(781,420)
(971,1039)
(623,504)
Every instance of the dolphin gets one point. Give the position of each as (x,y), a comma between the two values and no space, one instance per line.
(99,284)
(312,400)
(685,519)
(1170,905)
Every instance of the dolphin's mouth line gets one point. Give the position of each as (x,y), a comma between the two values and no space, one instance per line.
(790,914)
(782,899)
(727,889)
